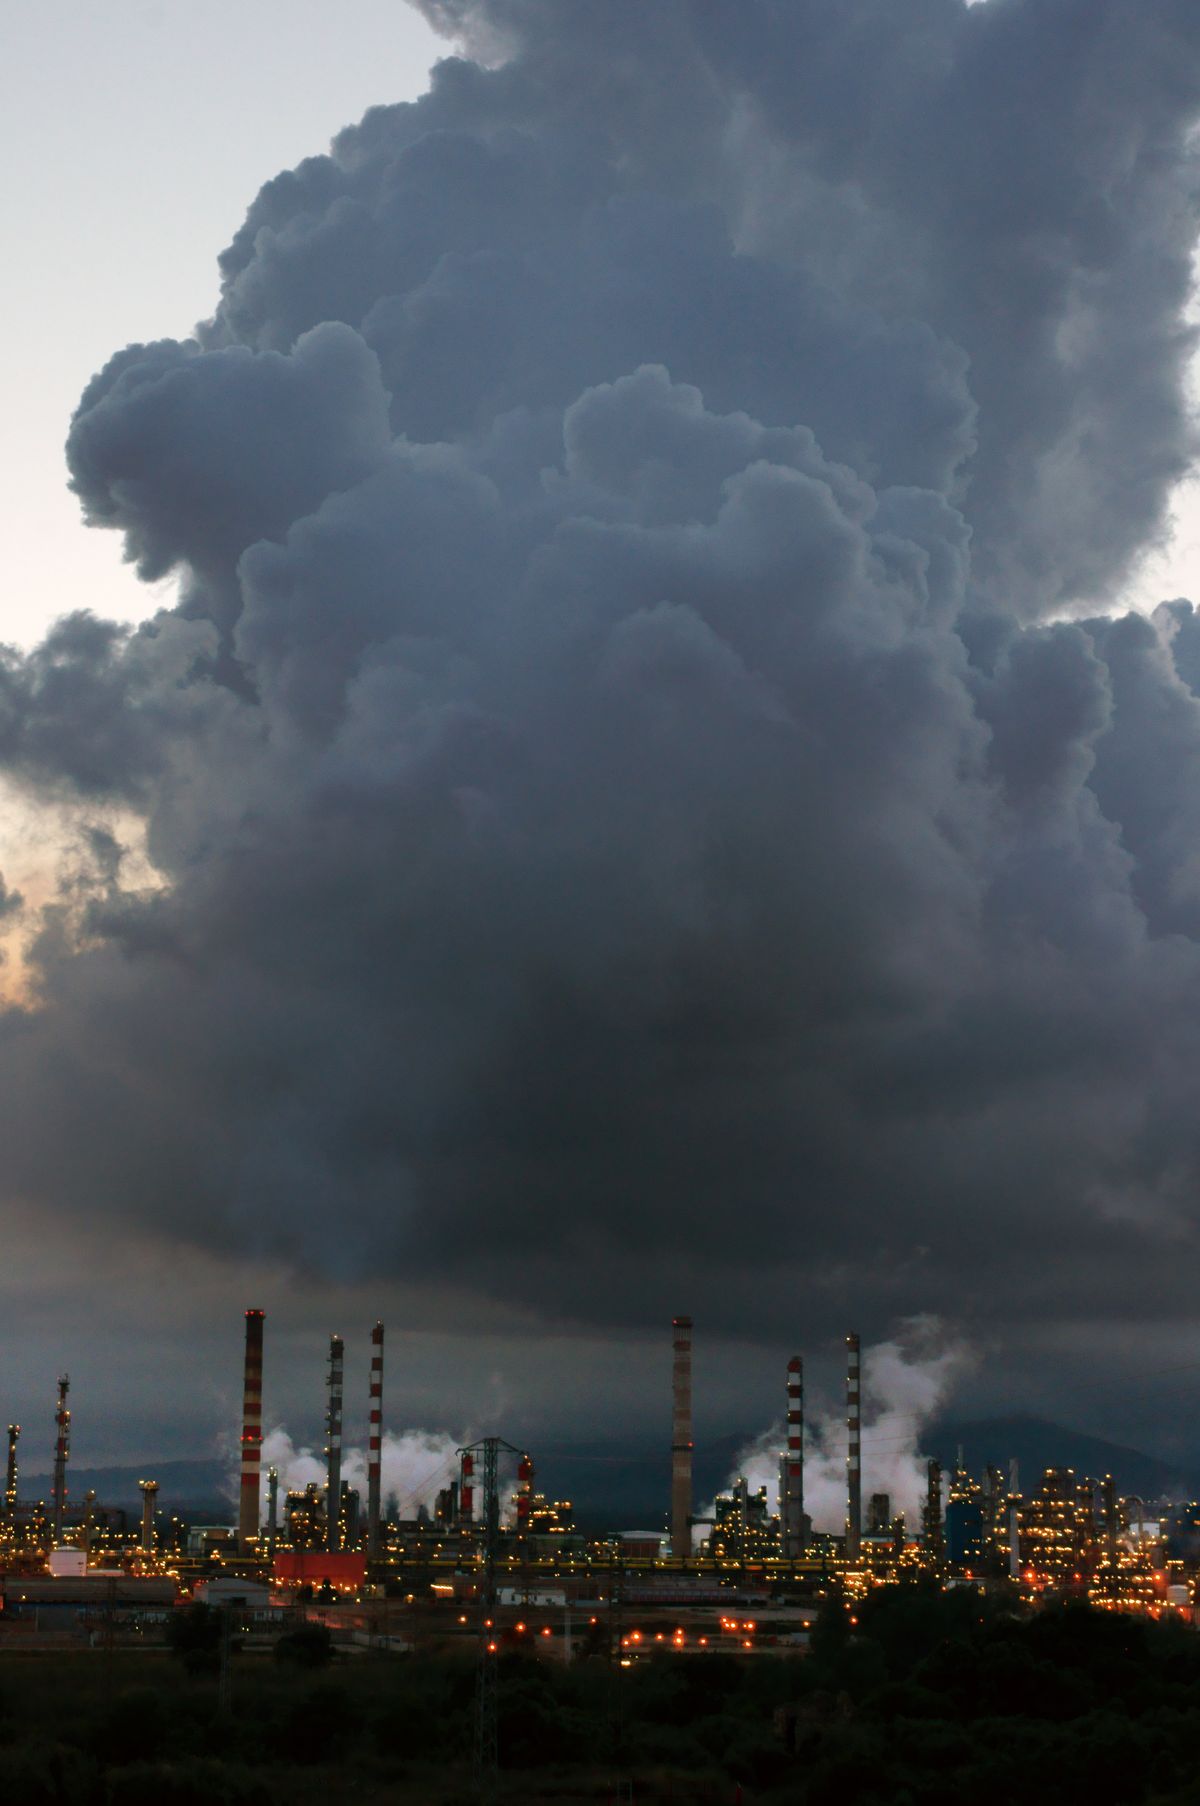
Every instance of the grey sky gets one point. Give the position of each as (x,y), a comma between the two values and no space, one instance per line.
(137,132)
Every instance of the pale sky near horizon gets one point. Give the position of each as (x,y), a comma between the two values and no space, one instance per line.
(136,134)
(141,132)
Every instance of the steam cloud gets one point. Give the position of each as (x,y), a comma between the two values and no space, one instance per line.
(415,1465)
(906,1382)
(642,774)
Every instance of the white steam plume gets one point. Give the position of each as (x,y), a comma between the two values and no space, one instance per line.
(905,1382)
(416,1465)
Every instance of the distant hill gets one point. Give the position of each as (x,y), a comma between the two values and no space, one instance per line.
(1037,1445)
(626,1485)
(199,1488)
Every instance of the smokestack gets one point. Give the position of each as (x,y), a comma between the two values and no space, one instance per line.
(792,1490)
(375,1441)
(251,1433)
(149,1499)
(681,1440)
(853,1452)
(466,1491)
(272,1508)
(10,1478)
(62,1448)
(333,1447)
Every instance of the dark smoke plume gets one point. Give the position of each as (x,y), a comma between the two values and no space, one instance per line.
(648,795)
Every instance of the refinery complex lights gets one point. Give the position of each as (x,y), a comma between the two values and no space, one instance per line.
(512,1552)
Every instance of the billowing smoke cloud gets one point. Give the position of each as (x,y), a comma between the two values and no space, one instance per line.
(415,1466)
(906,1382)
(626,800)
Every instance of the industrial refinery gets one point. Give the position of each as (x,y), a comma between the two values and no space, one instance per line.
(494,1553)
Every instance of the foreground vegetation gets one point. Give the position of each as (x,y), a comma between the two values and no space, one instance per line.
(928,1699)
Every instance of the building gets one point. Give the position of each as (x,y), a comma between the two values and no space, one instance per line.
(744,1528)
(1059,1531)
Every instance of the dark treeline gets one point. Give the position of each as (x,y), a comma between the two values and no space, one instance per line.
(925,1699)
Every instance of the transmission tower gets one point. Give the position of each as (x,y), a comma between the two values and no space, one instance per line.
(487,1743)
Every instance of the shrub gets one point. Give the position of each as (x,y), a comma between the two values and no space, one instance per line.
(196,1783)
(309,1646)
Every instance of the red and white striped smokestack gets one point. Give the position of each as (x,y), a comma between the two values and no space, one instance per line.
(466,1490)
(681,1439)
(792,1490)
(375,1441)
(853,1452)
(248,1503)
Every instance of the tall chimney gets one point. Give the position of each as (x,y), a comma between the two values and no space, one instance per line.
(853,1453)
(272,1509)
(792,1490)
(62,1448)
(248,1504)
(375,1441)
(466,1491)
(333,1447)
(10,1478)
(149,1499)
(681,1440)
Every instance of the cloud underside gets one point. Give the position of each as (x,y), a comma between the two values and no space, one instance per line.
(648,794)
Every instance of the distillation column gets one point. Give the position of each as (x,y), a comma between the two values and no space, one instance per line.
(248,1503)
(272,1509)
(149,1500)
(10,1478)
(681,1440)
(934,1531)
(524,1499)
(62,1449)
(853,1452)
(333,1446)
